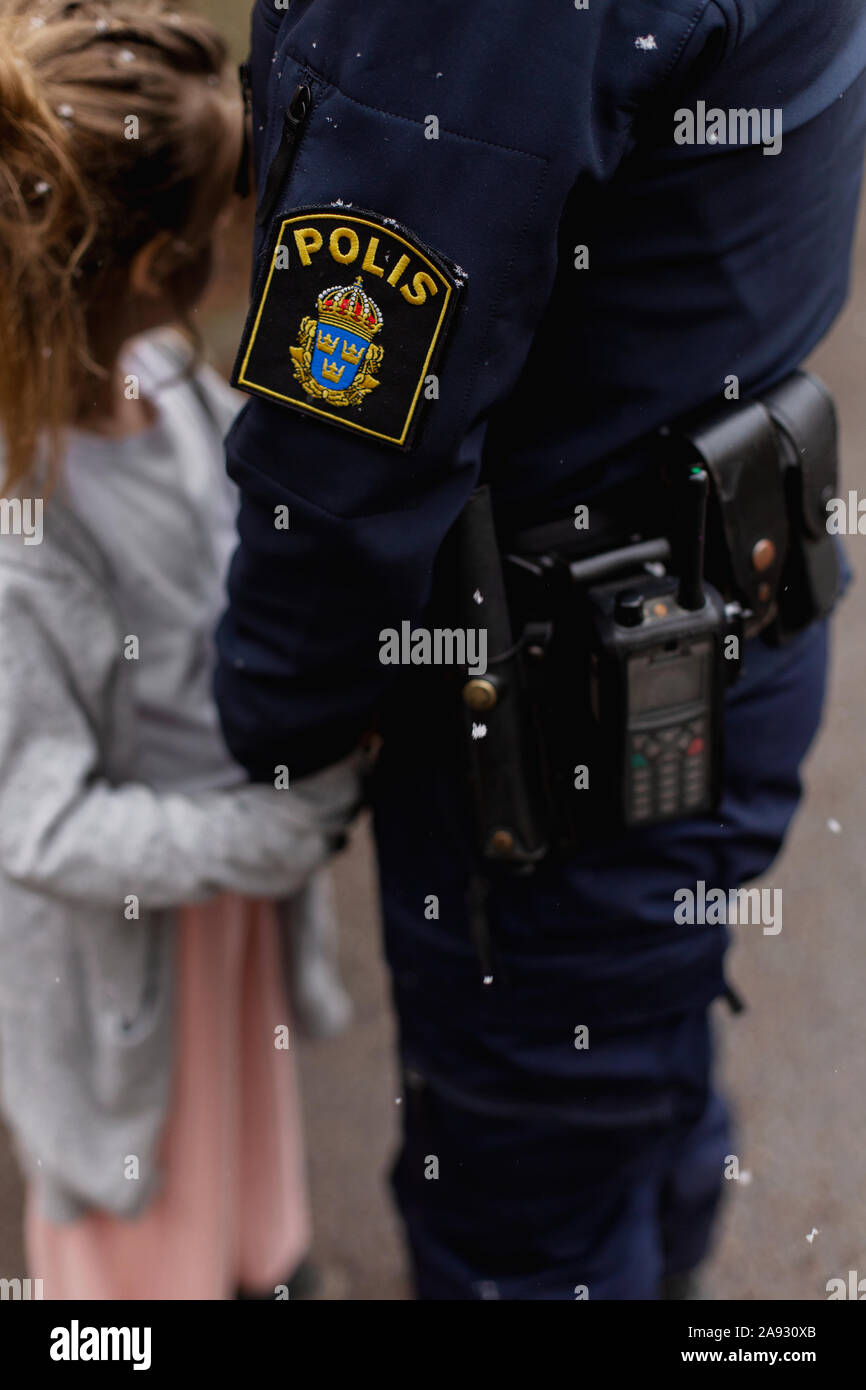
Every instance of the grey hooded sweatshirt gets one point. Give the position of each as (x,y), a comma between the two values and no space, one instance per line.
(94,858)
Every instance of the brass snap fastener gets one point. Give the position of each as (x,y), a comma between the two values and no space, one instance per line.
(763,555)
(480,694)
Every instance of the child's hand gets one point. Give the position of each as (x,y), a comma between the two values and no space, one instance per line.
(334,795)
(298,828)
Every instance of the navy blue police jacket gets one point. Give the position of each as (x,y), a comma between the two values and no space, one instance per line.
(518,237)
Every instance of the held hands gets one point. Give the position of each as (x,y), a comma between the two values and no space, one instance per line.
(334,796)
(292,830)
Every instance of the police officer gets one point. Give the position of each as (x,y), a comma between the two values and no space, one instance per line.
(511,243)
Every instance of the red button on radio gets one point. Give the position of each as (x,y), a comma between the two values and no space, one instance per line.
(696,746)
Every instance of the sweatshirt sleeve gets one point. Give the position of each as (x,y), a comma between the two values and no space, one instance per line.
(67,831)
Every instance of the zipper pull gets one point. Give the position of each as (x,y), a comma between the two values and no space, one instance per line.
(243,179)
(245,73)
(293,121)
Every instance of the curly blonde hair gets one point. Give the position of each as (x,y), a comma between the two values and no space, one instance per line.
(114,127)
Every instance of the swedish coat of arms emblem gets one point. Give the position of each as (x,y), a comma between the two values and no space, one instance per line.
(337,359)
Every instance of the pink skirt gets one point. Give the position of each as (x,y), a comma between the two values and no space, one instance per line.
(233,1210)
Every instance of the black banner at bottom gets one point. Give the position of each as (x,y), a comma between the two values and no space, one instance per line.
(60,1340)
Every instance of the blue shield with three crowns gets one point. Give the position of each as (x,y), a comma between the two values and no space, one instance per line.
(337,356)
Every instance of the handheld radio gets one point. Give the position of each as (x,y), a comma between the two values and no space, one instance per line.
(605,704)
(661,659)
(618,671)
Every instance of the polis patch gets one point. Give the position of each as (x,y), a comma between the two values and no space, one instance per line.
(349,317)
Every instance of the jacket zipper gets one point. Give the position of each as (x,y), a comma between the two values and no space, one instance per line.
(243,179)
(293,123)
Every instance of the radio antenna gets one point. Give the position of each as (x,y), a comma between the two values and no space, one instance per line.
(692,519)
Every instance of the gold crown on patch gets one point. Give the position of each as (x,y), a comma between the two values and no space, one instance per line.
(350,308)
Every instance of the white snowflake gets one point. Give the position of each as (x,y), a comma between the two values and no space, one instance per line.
(646,43)
(488,980)
(812,1234)
(479,731)
(478,597)
(834,827)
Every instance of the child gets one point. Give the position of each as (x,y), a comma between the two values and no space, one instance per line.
(144,1031)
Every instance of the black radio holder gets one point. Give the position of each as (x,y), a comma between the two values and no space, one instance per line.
(603,702)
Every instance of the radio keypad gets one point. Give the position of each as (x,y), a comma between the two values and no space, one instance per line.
(668,771)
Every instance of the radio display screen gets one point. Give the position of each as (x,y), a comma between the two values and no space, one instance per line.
(658,684)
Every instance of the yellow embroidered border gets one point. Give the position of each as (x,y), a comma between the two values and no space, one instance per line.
(346,216)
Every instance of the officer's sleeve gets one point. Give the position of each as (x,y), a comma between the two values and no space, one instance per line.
(450,136)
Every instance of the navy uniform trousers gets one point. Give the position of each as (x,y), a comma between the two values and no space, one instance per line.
(521,163)
(564,1169)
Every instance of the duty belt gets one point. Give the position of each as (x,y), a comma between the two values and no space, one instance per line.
(611,646)
(773,467)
